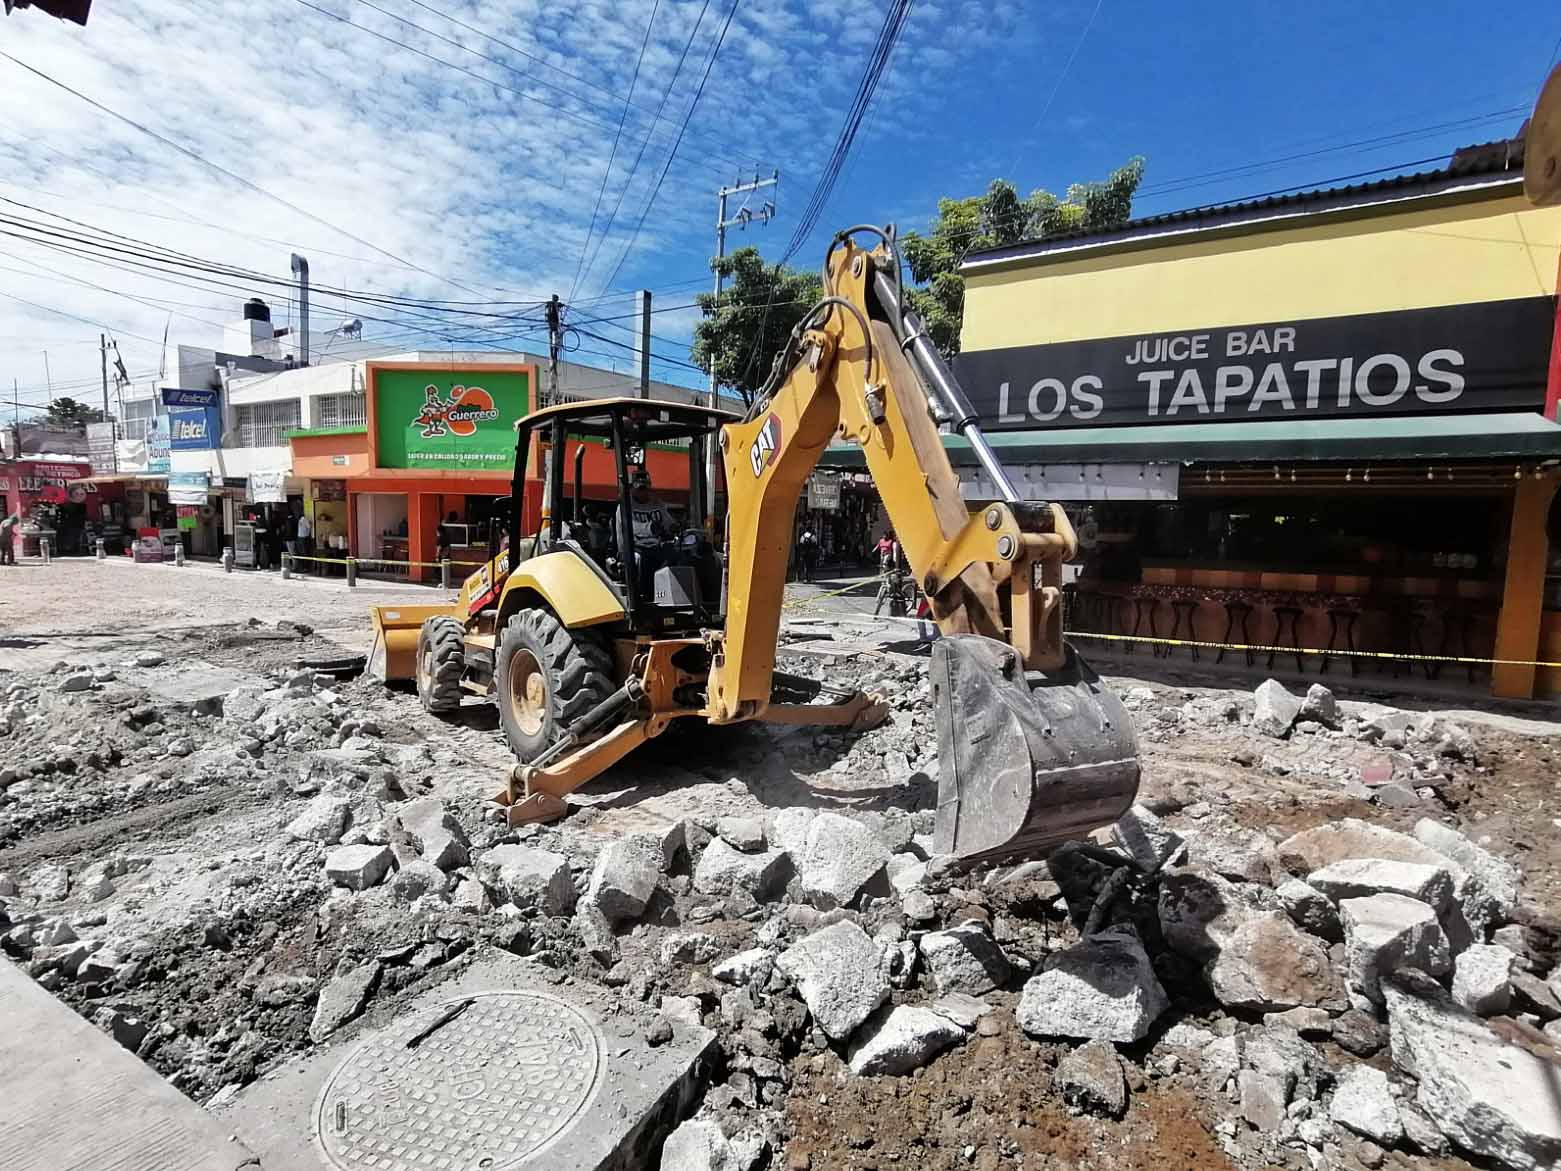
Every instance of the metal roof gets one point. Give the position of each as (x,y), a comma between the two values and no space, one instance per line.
(1477,171)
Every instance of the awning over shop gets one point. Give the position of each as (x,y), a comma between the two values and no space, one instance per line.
(1521,434)
(124,478)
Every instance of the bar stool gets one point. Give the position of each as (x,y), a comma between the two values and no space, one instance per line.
(1184,608)
(1238,611)
(1144,603)
(1285,608)
(1343,614)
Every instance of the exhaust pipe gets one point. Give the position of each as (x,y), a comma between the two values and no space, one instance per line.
(301,271)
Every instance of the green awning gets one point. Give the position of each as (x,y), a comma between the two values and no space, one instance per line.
(1450,436)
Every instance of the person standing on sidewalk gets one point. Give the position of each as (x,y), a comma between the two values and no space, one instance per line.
(8,529)
(305,536)
(807,553)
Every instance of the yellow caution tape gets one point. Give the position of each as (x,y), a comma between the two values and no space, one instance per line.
(1255,648)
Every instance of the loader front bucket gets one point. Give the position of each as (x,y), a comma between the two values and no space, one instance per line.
(393,657)
(1028,759)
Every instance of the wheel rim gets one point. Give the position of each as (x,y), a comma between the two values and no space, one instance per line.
(425,668)
(527,693)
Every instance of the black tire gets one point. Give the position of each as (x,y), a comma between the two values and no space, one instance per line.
(567,673)
(441,661)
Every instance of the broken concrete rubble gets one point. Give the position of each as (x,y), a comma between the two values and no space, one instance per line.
(1482,979)
(1497,877)
(1276,709)
(899,1040)
(723,870)
(1491,1098)
(358,867)
(1102,988)
(342,999)
(741,833)
(324,820)
(625,877)
(839,971)
(1267,965)
(1311,910)
(1385,932)
(1146,838)
(964,959)
(1091,1080)
(1359,877)
(438,835)
(1363,1101)
(530,878)
(840,858)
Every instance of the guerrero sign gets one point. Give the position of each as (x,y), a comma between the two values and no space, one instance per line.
(1484,357)
(431,418)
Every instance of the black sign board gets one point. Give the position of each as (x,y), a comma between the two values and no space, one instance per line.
(1490,356)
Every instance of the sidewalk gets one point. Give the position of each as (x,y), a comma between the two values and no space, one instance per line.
(364,586)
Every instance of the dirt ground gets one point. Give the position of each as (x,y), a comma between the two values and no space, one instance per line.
(235,929)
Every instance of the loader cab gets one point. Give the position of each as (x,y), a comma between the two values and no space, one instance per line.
(624,489)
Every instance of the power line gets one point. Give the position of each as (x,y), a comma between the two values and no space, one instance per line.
(698,93)
(612,155)
(1061,77)
(205,162)
(666,95)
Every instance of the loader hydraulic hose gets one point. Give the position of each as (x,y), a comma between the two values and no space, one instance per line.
(625,697)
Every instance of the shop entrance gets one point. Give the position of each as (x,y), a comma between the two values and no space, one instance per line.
(381,530)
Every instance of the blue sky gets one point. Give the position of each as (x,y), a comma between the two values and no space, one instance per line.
(469,158)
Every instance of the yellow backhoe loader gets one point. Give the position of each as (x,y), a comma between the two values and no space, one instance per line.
(594,633)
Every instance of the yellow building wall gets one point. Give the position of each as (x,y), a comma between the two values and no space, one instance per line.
(1490,250)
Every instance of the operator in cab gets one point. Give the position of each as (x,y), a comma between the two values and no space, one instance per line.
(652,524)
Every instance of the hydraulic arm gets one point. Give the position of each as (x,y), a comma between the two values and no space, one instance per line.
(1033,748)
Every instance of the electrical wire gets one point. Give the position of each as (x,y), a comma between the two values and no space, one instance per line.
(678,142)
(197,157)
(612,155)
(1057,85)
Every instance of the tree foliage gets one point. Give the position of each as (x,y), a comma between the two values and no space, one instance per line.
(67,412)
(743,331)
(995,219)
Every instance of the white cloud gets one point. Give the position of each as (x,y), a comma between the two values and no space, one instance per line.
(482,182)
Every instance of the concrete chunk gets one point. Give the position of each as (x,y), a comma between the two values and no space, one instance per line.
(530,878)
(1482,979)
(596,934)
(1090,1078)
(323,820)
(788,829)
(840,858)
(741,833)
(1323,845)
(1311,910)
(902,1040)
(1498,877)
(1102,988)
(1269,965)
(1275,708)
(343,999)
(698,1146)
(1492,1099)
(358,867)
(439,837)
(746,967)
(1147,840)
(1385,932)
(625,877)
(1199,911)
(964,959)
(839,971)
(1364,1102)
(723,870)
(1354,878)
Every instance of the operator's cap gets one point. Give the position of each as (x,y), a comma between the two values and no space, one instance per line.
(640,477)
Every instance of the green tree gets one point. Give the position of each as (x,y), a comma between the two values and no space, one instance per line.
(743,331)
(67,412)
(993,220)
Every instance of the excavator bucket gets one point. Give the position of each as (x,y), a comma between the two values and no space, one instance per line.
(1029,759)
(393,657)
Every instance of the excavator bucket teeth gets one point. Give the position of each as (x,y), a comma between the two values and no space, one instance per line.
(1028,759)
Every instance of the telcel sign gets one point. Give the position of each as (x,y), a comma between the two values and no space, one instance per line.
(194,419)
(428,417)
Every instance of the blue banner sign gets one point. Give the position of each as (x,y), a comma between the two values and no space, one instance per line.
(194,419)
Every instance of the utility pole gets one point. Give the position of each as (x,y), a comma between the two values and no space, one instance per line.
(555,337)
(644,298)
(742,219)
(103,357)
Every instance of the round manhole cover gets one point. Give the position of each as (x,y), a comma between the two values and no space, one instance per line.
(476,1083)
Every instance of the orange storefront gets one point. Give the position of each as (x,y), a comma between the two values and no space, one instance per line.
(433,461)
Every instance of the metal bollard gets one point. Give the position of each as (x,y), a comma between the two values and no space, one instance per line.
(444,573)
(227,559)
(352,571)
(178,555)
(102,550)
(43,550)
(287,567)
